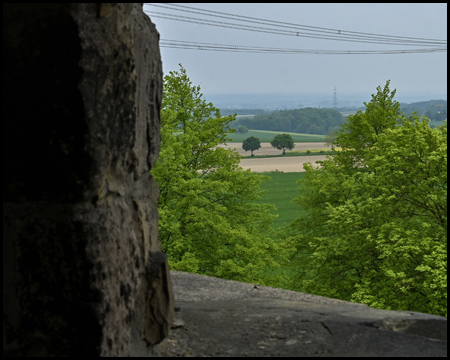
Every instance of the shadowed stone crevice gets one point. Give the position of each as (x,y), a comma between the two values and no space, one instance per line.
(326,327)
(160,302)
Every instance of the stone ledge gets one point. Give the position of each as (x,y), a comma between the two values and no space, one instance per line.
(216,317)
(194,287)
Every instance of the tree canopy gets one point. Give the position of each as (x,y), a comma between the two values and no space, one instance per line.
(242,129)
(283,142)
(375,228)
(252,143)
(330,138)
(209,221)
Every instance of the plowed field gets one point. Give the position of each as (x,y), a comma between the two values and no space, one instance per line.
(267,149)
(285,164)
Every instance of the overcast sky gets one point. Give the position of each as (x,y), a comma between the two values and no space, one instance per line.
(232,72)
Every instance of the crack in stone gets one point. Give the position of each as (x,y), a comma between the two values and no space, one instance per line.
(326,327)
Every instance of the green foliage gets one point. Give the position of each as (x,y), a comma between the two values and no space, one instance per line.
(375,228)
(330,138)
(360,132)
(283,142)
(242,130)
(252,143)
(209,219)
(306,121)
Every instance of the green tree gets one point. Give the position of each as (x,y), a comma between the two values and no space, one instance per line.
(242,129)
(283,142)
(209,219)
(330,138)
(375,229)
(252,143)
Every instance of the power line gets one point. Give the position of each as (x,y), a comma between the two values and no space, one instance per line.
(192,45)
(279,31)
(315,27)
(323,33)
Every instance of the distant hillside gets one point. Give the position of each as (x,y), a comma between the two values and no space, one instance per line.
(435,110)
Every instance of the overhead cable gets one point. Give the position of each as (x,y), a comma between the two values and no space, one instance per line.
(282,32)
(192,45)
(295,29)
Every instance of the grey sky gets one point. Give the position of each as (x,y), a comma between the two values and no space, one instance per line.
(229,72)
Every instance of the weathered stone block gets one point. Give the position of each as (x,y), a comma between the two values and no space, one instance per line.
(82,88)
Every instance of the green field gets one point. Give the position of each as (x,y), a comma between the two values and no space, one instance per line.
(280,191)
(267,136)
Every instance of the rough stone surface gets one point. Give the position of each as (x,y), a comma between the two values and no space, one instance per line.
(216,317)
(82,88)
(160,299)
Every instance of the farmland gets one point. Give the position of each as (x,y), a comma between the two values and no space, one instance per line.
(281,189)
(267,149)
(267,136)
(290,164)
(284,163)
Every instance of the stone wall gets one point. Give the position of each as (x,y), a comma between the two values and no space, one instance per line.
(83,274)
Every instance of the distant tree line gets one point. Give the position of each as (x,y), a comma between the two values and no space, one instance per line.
(307,121)
(435,110)
(321,121)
